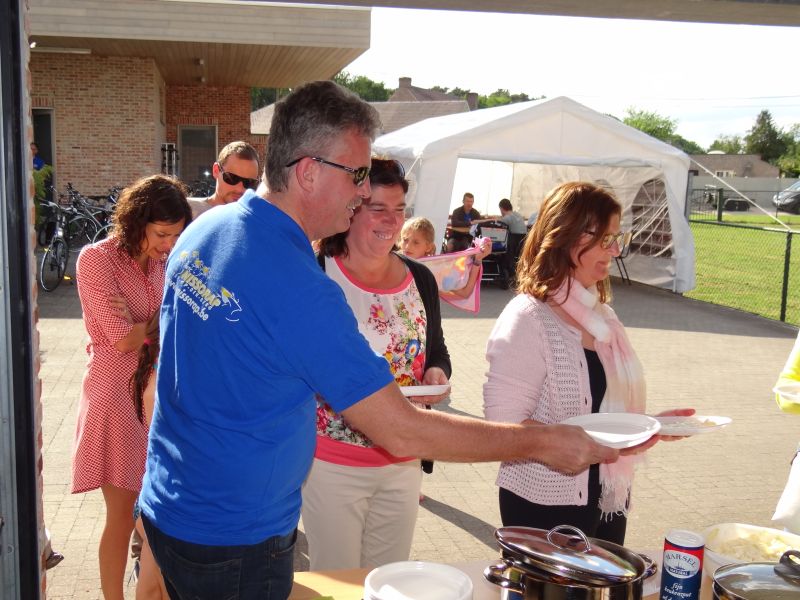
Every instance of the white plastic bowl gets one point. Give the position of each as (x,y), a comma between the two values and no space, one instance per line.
(417,580)
(717,535)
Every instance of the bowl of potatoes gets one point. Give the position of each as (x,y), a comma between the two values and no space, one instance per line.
(731,543)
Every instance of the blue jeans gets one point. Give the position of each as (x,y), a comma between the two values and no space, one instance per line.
(195,571)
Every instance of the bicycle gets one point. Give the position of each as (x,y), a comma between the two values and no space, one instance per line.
(89,223)
(53,265)
(47,225)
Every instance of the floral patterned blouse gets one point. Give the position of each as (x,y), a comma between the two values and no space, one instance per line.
(393,322)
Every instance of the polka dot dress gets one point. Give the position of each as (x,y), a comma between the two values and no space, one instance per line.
(110,443)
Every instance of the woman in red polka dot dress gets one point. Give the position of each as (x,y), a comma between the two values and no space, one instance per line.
(121,284)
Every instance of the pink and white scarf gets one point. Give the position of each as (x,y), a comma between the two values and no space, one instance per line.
(625,389)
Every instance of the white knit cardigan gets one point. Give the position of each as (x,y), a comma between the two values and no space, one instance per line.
(537,370)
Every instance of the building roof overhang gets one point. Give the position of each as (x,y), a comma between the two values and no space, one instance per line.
(216,42)
(745,12)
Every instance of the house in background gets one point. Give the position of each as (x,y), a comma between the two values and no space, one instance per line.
(406,92)
(411,104)
(407,105)
(125,89)
(733,165)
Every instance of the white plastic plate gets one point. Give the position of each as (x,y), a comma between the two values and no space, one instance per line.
(617,430)
(693,425)
(424,390)
(417,580)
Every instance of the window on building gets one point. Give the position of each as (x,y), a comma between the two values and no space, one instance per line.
(197,151)
(725,173)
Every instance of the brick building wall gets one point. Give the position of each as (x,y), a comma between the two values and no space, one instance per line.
(106,117)
(34,295)
(225,107)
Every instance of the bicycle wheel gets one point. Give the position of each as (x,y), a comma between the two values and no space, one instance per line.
(45,231)
(53,265)
(81,231)
(101,234)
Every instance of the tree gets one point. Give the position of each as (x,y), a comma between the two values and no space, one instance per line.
(364,87)
(458,92)
(789,162)
(260,97)
(652,123)
(687,146)
(765,139)
(501,97)
(660,127)
(729,144)
(41,178)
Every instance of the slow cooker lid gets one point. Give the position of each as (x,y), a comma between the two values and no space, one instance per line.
(573,556)
(758,581)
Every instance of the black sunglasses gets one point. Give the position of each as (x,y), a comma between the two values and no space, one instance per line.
(359,175)
(233,179)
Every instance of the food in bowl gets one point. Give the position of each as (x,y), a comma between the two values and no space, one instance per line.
(729,543)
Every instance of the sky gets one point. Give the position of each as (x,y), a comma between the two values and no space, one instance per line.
(711,79)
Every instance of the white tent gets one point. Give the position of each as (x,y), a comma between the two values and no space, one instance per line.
(538,145)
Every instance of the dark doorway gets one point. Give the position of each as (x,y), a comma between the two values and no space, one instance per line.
(43,134)
(197,149)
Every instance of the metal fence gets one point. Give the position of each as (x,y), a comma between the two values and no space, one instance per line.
(756,269)
(722,204)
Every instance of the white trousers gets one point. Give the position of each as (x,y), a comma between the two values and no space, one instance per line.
(360,517)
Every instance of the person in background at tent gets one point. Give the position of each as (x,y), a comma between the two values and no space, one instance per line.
(517,229)
(557,351)
(463,216)
(532,219)
(416,241)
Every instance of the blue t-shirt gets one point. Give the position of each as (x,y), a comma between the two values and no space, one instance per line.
(250,328)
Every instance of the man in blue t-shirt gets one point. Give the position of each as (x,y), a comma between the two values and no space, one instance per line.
(38,163)
(251,329)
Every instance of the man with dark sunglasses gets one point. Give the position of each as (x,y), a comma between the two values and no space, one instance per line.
(235,172)
(251,330)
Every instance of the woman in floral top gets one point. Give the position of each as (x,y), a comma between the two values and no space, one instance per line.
(360,502)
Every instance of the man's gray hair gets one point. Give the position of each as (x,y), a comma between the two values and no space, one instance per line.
(309,121)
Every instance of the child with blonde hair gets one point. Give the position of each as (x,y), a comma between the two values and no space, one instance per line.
(416,241)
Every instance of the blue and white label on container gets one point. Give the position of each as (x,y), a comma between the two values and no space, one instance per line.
(682,566)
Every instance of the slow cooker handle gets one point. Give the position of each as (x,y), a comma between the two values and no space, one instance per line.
(788,568)
(494,574)
(580,534)
(650,566)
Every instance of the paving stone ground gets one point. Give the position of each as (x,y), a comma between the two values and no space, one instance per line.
(720,361)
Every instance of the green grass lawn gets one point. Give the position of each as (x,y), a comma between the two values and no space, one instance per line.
(743,268)
(757,219)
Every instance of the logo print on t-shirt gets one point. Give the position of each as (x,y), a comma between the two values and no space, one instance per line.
(191,286)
